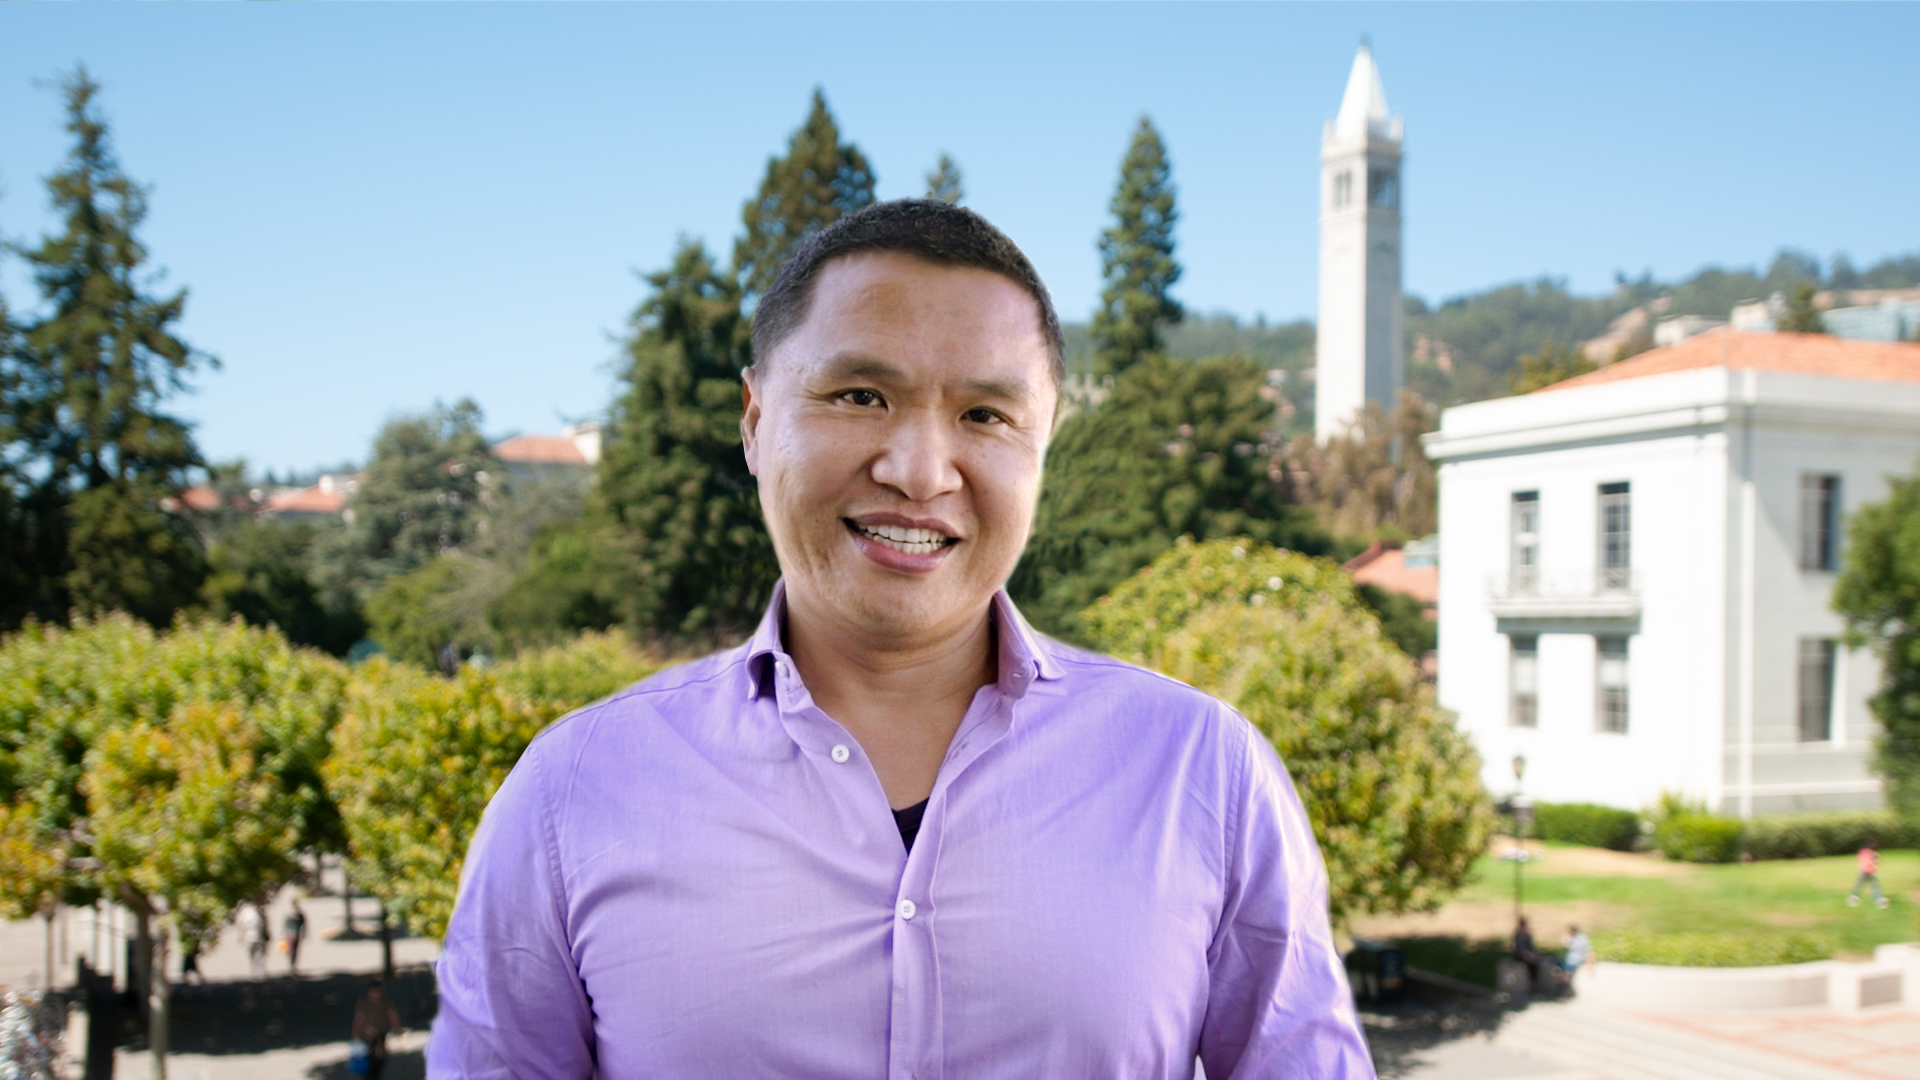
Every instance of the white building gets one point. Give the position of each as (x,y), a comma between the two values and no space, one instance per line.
(1360,354)
(1637,566)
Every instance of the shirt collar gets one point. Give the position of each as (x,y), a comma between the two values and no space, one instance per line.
(1024,654)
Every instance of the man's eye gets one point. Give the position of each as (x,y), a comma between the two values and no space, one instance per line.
(863,398)
(983,416)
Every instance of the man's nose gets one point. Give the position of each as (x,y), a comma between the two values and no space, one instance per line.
(918,459)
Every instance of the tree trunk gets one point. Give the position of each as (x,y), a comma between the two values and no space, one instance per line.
(386,945)
(140,972)
(160,997)
(51,912)
(346,900)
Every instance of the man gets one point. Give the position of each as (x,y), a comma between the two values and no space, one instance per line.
(1579,951)
(293,931)
(374,1019)
(1525,951)
(253,931)
(897,833)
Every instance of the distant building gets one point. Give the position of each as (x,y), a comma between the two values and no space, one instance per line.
(325,498)
(1410,570)
(1888,320)
(1639,566)
(1681,327)
(1360,346)
(571,454)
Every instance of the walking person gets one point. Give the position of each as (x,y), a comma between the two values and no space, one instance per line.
(374,1018)
(1869,875)
(253,931)
(293,930)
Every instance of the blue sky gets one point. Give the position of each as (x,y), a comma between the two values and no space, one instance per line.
(378,206)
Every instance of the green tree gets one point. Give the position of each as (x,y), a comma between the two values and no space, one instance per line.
(1801,316)
(681,509)
(561,590)
(1178,448)
(85,386)
(819,179)
(1390,785)
(1374,481)
(1878,594)
(258,570)
(421,496)
(418,756)
(1552,364)
(1136,258)
(435,615)
(174,773)
(943,183)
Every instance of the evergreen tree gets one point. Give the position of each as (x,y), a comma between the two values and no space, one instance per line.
(1178,448)
(1136,258)
(1801,316)
(85,387)
(943,183)
(673,485)
(819,179)
(421,496)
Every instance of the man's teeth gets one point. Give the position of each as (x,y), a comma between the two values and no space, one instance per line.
(911,541)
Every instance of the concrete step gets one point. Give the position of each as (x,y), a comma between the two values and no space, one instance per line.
(1631,1049)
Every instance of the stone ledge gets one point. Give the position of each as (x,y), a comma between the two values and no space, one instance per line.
(1892,977)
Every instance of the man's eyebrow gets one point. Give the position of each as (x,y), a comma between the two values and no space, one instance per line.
(862,366)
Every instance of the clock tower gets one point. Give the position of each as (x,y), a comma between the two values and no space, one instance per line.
(1360,351)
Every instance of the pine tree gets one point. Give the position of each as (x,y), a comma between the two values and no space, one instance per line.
(1136,258)
(1801,316)
(943,183)
(86,388)
(673,483)
(819,179)
(1178,448)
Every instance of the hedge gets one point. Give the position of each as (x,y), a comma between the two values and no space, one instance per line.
(1699,837)
(1827,832)
(1586,824)
(1709,948)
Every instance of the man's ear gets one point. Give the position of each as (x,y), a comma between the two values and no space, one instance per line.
(749,421)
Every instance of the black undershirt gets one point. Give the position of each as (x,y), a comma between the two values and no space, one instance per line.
(909,821)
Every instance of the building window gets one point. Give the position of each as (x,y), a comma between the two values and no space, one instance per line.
(1611,683)
(1383,188)
(1524,524)
(1616,536)
(1342,188)
(1819,522)
(1523,681)
(1816,689)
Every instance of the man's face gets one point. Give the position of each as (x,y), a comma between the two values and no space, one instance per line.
(898,436)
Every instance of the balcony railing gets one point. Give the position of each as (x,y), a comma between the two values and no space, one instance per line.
(1604,594)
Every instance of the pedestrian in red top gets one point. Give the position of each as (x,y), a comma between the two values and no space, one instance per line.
(1869,874)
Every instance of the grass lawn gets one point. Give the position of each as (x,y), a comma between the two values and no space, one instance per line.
(1798,898)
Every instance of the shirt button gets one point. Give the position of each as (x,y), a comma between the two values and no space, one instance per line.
(841,754)
(907,910)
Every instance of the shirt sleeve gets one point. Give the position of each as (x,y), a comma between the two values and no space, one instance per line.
(512,1006)
(1278,1003)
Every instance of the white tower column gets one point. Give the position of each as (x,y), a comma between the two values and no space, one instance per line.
(1360,351)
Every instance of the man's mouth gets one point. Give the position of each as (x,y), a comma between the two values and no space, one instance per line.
(903,539)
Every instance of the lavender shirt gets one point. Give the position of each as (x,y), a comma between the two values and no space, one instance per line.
(701,877)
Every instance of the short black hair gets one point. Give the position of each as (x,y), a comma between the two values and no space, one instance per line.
(940,233)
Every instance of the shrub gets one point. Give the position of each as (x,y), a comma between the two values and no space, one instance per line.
(1699,837)
(1390,785)
(1586,824)
(1709,948)
(1828,832)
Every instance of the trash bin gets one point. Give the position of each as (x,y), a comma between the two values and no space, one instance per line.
(1377,972)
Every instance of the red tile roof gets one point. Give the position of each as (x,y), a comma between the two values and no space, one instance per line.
(1386,566)
(540,450)
(1809,354)
(310,500)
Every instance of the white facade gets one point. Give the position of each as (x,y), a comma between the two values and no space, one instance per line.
(1721,604)
(1360,352)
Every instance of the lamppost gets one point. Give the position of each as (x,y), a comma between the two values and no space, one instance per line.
(1522,816)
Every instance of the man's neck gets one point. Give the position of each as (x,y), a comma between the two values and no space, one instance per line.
(902,698)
